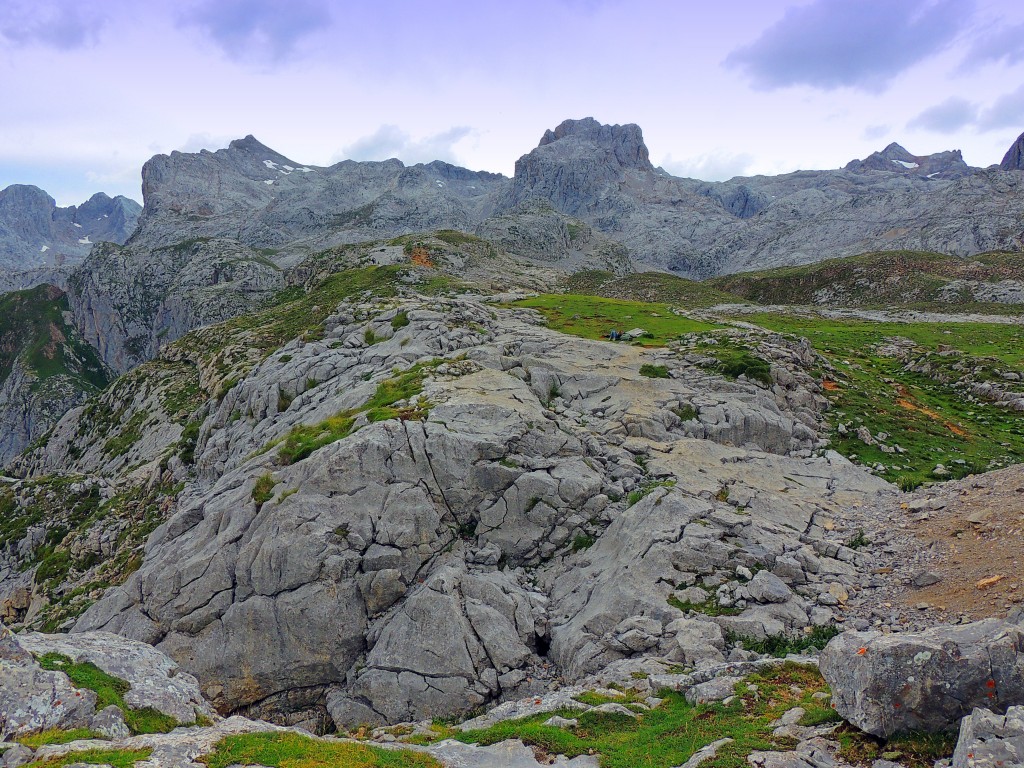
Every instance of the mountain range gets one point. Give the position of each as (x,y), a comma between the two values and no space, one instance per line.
(221,232)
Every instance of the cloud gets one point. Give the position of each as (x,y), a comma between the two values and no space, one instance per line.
(258,30)
(1006,112)
(199,141)
(862,44)
(391,141)
(58,24)
(948,117)
(873,132)
(711,166)
(1004,45)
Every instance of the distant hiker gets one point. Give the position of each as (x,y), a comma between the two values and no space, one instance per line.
(614,335)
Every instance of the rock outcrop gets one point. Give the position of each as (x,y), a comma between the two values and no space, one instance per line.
(34,699)
(988,740)
(534,510)
(927,681)
(1013,160)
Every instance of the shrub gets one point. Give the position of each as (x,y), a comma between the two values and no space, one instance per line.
(654,371)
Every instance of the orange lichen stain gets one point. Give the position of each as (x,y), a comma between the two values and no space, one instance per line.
(861,651)
(829,386)
(421,257)
(909,406)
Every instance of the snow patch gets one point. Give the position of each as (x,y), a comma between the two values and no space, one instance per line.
(85,240)
(933,175)
(304,169)
(44,249)
(439,183)
(270,164)
(288,168)
(905,164)
(77,224)
(269,181)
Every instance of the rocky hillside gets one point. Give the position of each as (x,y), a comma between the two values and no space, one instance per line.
(46,367)
(889,279)
(35,233)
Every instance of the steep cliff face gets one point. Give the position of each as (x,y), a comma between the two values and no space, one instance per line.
(128,301)
(35,233)
(45,366)
(1013,160)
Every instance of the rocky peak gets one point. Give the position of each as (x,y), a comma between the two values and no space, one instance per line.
(896,158)
(626,142)
(1014,158)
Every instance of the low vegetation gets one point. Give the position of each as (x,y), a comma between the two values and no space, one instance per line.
(385,404)
(115,758)
(669,734)
(290,750)
(109,691)
(593,317)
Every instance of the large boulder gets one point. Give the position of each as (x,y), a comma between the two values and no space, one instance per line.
(155,680)
(33,699)
(927,681)
(988,739)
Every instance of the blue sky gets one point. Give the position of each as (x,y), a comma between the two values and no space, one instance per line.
(90,90)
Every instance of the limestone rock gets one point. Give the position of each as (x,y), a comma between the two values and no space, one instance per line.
(988,740)
(926,681)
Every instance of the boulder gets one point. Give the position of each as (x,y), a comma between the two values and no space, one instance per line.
(926,681)
(33,699)
(766,587)
(988,740)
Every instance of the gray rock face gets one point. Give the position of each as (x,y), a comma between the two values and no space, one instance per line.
(33,699)
(421,568)
(927,681)
(1013,160)
(988,740)
(129,301)
(34,232)
(155,680)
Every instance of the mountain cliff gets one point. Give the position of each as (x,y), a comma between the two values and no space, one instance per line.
(35,233)
(1013,160)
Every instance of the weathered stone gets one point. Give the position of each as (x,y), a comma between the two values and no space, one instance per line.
(927,681)
(988,740)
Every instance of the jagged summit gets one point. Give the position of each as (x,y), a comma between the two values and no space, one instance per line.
(626,142)
(36,233)
(896,158)
(1013,160)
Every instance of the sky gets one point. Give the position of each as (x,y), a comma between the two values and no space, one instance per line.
(90,89)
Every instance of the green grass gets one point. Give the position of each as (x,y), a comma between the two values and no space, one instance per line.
(290,750)
(303,441)
(931,420)
(592,317)
(400,320)
(710,607)
(648,287)
(109,691)
(116,758)
(57,736)
(880,279)
(263,489)
(669,734)
(654,371)
(914,750)
(734,363)
(781,646)
(33,329)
